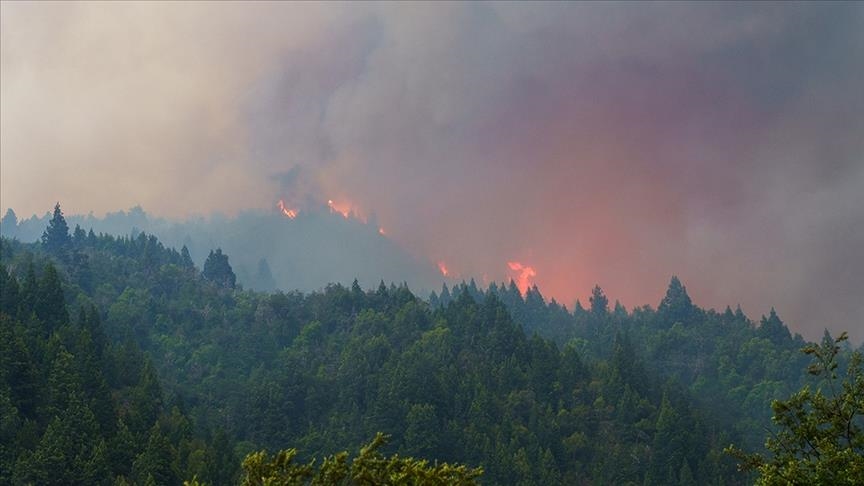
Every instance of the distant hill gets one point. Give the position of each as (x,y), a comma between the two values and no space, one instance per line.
(268,251)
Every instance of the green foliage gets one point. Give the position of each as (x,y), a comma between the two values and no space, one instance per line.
(66,390)
(51,305)
(599,302)
(821,439)
(178,378)
(56,237)
(154,462)
(218,270)
(676,306)
(370,467)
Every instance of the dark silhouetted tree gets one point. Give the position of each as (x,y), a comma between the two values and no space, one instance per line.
(79,236)
(9,223)
(772,328)
(186,258)
(218,270)
(265,276)
(56,237)
(599,302)
(676,306)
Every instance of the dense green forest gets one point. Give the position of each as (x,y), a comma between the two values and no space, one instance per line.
(121,362)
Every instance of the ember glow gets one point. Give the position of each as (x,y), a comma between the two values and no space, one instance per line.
(442,267)
(345,209)
(382,232)
(290,213)
(524,274)
(706,149)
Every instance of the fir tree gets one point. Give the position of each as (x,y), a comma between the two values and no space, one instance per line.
(56,237)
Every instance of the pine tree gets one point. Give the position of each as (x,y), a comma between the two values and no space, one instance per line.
(9,223)
(71,450)
(29,293)
(79,236)
(265,276)
(51,304)
(668,448)
(676,306)
(56,237)
(222,465)
(218,270)
(8,293)
(154,463)
(599,302)
(772,328)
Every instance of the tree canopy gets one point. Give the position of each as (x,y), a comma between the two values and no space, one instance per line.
(821,432)
(124,364)
(218,270)
(56,236)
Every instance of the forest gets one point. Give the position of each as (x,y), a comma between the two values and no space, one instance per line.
(122,362)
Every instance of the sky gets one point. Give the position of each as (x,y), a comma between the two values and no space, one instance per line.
(598,143)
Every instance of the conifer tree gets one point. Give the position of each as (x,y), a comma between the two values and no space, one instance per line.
(676,306)
(599,301)
(9,223)
(218,270)
(56,237)
(51,304)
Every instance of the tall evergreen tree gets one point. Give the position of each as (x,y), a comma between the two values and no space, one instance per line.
(772,328)
(56,237)
(676,306)
(218,270)
(8,292)
(265,276)
(186,258)
(668,448)
(51,304)
(599,302)
(153,465)
(29,291)
(9,223)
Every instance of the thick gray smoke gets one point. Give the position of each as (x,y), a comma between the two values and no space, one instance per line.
(598,143)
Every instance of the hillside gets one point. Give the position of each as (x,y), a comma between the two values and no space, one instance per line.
(268,250)
(123,360)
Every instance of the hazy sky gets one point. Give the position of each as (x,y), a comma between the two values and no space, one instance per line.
(599,143)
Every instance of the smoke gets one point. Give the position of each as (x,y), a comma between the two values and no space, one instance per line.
(596,143)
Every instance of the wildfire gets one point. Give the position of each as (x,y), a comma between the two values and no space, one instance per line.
(344,209)
(382,232)
(290,213)
(442,267)
(524,276)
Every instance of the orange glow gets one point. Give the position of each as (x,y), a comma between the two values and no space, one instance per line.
(443,268)
(290,213)
(345,209)
(382,232)
(524,275)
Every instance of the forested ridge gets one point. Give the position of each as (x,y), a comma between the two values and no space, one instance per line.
(124,363)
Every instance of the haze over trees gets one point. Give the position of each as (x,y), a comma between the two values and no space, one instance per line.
(121,362)
(306,253)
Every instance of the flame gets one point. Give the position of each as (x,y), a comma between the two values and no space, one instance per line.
(345,209)
(525,274)
(290,213)
(382,232)
(443,268)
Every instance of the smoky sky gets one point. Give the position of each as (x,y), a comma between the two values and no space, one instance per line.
(601,143)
